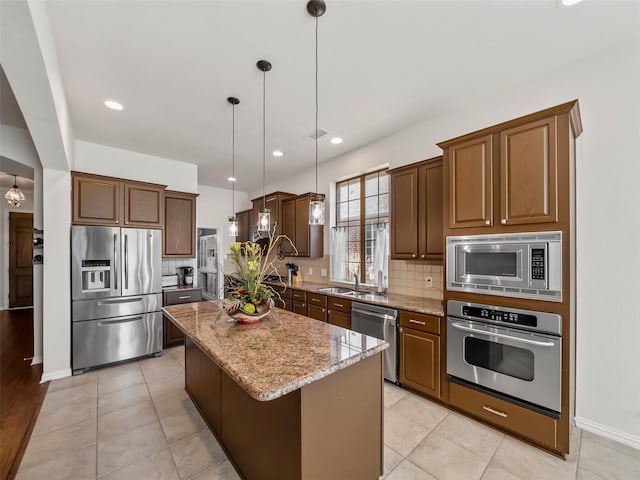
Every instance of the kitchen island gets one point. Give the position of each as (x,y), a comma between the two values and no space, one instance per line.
(289,397)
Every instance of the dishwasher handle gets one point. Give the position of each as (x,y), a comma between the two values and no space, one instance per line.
(382,316)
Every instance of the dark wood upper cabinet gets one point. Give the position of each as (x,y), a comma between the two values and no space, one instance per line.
(430,240)
(273,202)
(96,200)
(143,205)
(308,239)
(100,200)
(528,173)
(244,225)
(508,175)
(179,239)
(471,183)
(416,211)
(404,214)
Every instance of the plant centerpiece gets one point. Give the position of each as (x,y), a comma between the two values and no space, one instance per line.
(249,298)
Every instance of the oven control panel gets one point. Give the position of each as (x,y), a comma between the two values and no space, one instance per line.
(537,264)
(500,316)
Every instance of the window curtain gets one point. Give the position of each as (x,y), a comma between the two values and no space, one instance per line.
(381,256)
(339,253)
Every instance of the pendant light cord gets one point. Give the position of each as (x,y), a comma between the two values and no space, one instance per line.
(233,160)
(264,135)
(316,135)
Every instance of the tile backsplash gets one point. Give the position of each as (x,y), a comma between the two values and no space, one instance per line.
(405,277)
(169,265)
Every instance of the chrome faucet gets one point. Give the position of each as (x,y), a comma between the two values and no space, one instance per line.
(355,277)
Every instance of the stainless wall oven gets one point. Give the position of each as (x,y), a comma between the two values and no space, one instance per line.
(524,265)
(513,352)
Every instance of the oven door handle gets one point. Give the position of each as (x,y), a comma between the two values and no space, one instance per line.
(502,335)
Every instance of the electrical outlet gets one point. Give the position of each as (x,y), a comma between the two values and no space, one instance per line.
(428,281)
(310,271)
(323,272)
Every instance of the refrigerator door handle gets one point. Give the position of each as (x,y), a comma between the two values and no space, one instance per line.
(115,263)
(126,262)
(120,300)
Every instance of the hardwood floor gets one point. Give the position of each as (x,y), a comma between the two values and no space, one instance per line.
(21,393)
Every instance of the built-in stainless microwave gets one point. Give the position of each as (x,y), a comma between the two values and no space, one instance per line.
(523,265)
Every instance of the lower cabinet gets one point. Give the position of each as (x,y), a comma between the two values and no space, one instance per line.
(341,319)
(173,336)
(299,307)
(420,352)
(317,313)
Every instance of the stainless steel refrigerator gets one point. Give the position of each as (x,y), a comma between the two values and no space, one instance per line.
(208,262)
(116,295)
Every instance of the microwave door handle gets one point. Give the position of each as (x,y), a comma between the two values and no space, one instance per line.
(502,335)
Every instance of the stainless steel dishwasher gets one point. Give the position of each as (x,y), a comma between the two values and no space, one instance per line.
(379,322)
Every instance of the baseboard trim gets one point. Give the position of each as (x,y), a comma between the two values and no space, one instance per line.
(608,432)
(55,375)
(36,360)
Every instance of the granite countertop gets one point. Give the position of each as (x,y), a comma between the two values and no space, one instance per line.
(280,354)
(404,302)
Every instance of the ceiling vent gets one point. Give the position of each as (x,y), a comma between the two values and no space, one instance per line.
(315,134)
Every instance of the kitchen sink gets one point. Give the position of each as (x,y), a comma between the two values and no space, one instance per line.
(368,295)
(339,290)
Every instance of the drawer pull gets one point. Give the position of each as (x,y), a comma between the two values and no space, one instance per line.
(338,305)
(411,320)
(184,297)
(495,412)
(315,300)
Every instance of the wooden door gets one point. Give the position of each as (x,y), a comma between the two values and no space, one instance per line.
(289,225)
(420,361)
(244,226)
(317,313)
(173,336)
(302,226)
(471,183)
(340,319)
(96,200)
(20,259)
(299,307)
(143,205)
(179,239)
(430,237)
(528,173)
(404,214)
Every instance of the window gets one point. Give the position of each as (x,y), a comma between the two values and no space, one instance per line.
(362,207)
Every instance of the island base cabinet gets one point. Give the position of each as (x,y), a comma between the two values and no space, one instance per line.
(301,435)
(420,361)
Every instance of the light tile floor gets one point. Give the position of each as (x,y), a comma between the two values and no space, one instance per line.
(135,421)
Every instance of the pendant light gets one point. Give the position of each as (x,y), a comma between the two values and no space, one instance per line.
(264,216)
(14,196)
(316,8)
(233,221)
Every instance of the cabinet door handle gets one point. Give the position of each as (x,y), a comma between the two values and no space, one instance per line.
(413,256)
(411,320)
(503,221)
(401,330)
(184,297)
(495,412)
(422,256)
(487,222)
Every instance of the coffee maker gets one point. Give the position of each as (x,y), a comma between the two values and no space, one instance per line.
(185,276)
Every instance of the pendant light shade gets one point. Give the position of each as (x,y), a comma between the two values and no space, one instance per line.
(14,196)
(316,8)
(233,221)
(264,216)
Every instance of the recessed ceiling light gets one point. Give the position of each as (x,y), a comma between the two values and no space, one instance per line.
(336,140)
(231,179)
(277,153)
(113,105)
(568,3)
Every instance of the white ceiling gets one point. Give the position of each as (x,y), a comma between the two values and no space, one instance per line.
(6,182)
(384,65)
